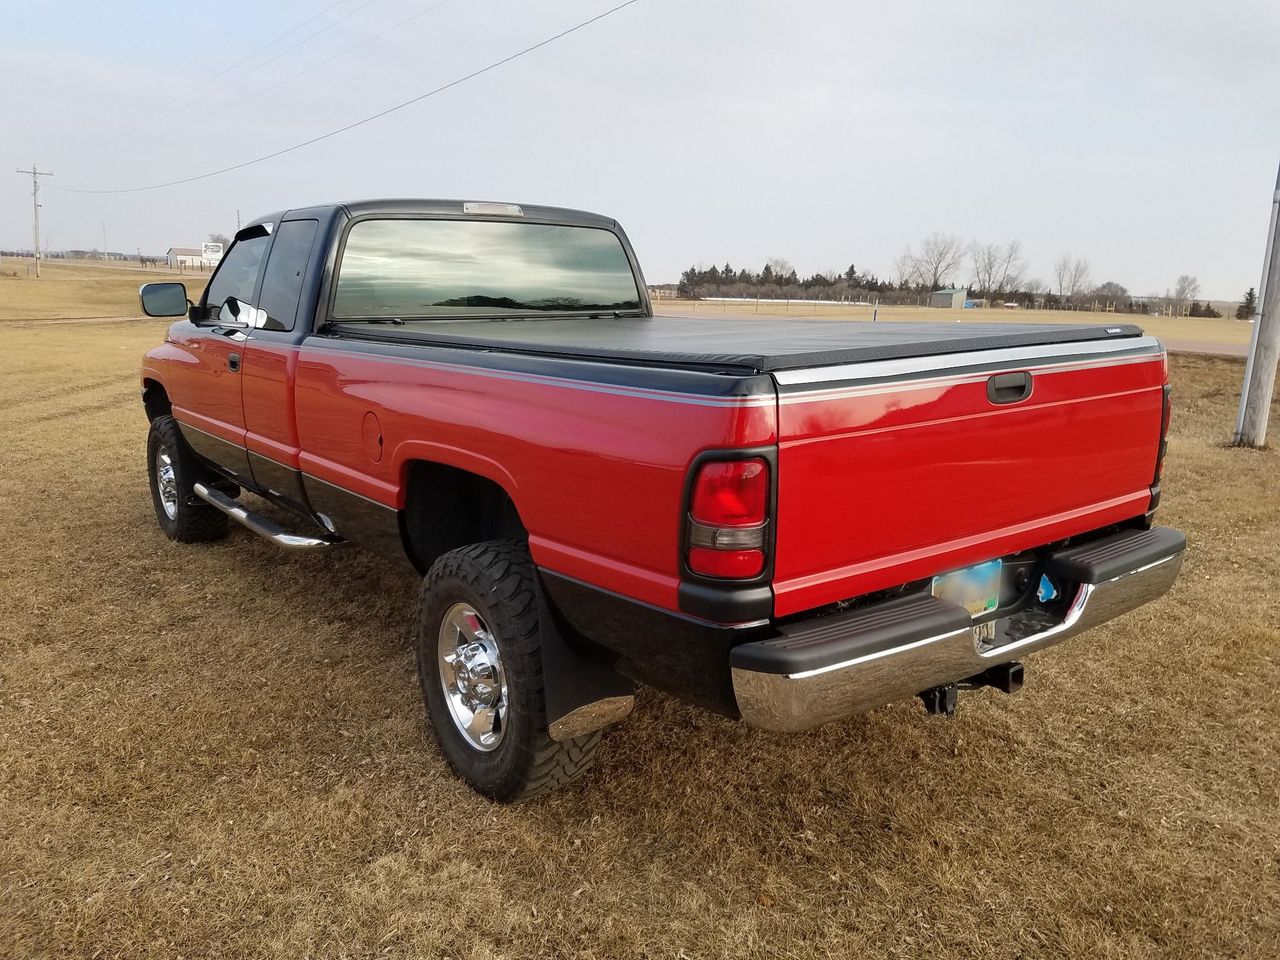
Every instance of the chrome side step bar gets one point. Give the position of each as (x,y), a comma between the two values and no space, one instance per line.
(260,525)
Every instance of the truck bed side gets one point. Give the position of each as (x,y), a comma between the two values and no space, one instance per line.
(594,456)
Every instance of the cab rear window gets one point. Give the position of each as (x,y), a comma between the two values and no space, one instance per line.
(436,269)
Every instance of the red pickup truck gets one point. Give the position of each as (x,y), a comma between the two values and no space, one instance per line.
(787,522)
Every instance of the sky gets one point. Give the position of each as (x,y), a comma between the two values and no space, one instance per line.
(1142,135)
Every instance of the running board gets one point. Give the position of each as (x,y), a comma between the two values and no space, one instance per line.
(261,525)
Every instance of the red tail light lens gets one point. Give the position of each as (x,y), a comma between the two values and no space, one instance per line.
(731,493)
(727,518)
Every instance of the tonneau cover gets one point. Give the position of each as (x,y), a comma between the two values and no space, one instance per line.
(756,345)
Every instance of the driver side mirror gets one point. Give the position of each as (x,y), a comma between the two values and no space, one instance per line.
(164,299)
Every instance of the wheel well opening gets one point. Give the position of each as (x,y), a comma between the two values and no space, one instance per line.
(447,508)
(155,401)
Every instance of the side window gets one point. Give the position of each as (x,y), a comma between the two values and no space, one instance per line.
(237,273)
(286,266)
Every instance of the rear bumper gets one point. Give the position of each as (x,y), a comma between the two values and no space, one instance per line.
(842,665)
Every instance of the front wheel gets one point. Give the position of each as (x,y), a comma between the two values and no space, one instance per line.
(480,667)
(174,471)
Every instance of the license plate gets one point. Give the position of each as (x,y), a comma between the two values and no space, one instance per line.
(977,588)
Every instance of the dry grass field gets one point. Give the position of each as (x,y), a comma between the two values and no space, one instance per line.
(76,289)
(220,752)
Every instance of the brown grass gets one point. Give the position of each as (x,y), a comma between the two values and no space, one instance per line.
(73,289)
(220,752)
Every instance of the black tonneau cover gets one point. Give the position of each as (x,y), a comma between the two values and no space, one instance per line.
(750,345)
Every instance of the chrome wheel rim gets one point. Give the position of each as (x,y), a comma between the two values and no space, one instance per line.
(472,678)
(166,482)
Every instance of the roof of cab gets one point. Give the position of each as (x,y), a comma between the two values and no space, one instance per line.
(454,208)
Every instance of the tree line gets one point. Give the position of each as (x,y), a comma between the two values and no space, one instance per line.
(995,272)
(778,280)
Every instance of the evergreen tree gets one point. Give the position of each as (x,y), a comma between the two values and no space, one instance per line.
(1248,306)
(688,284)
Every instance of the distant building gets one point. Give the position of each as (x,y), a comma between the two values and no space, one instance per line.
(951,299)
(194,257)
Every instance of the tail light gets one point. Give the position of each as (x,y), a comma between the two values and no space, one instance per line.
(1166,411)
(728,514)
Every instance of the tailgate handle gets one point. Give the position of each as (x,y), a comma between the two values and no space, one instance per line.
(1009,387)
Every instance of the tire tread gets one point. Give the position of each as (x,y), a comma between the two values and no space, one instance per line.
(196,522)
(542,764)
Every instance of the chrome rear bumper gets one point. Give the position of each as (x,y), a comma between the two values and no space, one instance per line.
(856,662)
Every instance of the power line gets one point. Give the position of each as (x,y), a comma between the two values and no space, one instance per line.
(181,105)
(266,46)
(315,66)
(162,108)
(376,116)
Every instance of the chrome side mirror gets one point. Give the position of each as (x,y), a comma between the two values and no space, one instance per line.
(164,299)
(233,313)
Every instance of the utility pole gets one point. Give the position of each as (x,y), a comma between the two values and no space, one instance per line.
(104,241)
(35,173)
(1264,348)
(237,221)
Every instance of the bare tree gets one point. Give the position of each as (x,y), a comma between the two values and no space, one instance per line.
(780,267)
(1062,272)
(905,268)
(984,257)
(997,269)
(1185,290)
(1036,287)
(1073,277)
(940,255)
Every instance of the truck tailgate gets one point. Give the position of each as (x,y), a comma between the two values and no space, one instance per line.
(894,470)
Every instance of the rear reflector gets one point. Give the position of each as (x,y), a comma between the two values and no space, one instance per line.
(726,564)
(728,512)
(1166,411)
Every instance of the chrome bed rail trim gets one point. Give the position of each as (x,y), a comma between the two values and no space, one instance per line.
(1049,355)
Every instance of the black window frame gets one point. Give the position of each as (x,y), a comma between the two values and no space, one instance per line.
(272,324)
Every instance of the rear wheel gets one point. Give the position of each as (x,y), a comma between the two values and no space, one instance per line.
(480,667)
(174,471)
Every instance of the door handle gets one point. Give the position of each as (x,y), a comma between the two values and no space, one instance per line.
(1009,387)
(233,362)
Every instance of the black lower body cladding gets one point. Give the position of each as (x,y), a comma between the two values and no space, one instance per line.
(682,656)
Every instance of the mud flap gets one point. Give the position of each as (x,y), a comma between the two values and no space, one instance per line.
(582,694)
